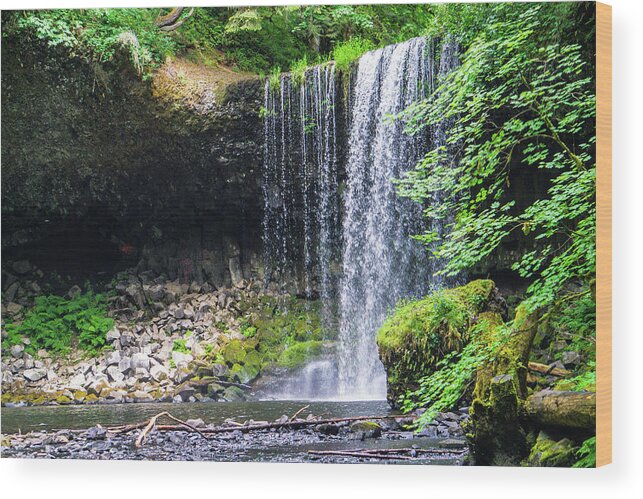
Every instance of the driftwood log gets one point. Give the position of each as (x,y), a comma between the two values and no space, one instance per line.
(565,410)
(547,370)
(151,425)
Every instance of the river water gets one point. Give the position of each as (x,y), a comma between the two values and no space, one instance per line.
(25,419)
(265,446)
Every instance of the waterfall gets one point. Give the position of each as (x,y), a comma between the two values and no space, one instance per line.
(300,182)
(323,214)
(381,263)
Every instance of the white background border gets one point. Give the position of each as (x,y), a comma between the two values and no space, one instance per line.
(94,479)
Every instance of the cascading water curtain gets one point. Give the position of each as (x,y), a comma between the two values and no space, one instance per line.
(301,204)
(381,263)
(305,237)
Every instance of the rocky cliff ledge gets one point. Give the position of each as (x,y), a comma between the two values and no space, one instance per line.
(102,166)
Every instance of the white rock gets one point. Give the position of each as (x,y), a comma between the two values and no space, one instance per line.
(181,358)
(115,374)
(77,381)
(159,373)
(141,374)
(112,358)
(17,350)
(124,364)
(17,365)
(113,334)
(34,374)
(140,360)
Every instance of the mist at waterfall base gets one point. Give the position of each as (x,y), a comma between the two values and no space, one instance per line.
(334,227)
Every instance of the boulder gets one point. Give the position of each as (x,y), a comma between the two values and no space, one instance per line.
(181,358)
(141,374)
(124,364)
(234,394)
(140,360)
(141,396)
(77,381)
(159,373)
(115,374)
(21,267)
(35,374)
(11,291)
(13,308)
(126,340)
(17,351)
(113,358)
(366,429)
(571,359)
(98,385)
(185,392)
(113,334)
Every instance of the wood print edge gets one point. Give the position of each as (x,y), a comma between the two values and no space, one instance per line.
(604,234)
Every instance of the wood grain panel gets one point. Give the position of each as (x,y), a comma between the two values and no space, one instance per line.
(604,234)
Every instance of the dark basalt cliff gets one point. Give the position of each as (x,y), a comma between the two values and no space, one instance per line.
(101,169)
(104,170)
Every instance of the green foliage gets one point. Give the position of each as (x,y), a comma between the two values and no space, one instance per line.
(586,454)
(99,33)
(345,53)
(522,96)
(179,346)
(419,334)
(454,374)
(56,324)
(247,329)
(298,70)
(297,354)
(584,382)
(253,39)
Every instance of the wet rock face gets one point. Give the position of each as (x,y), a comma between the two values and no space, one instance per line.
(91,156)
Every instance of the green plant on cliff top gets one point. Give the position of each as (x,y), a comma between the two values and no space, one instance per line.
(100,33)
(57,324)
(344,53)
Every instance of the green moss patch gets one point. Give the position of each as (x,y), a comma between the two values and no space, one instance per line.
(420,333)
(298,354)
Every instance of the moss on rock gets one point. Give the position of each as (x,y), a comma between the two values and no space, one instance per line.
(298,354)
(549,452)
(420,333)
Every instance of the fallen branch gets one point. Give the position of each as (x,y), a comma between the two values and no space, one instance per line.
(151,424)
(547,370)
(294,416)
(374,454)
(300,423)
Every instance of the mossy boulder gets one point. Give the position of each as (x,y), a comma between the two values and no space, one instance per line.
(419,333)
(234,352)
(549,452)
(366,429)
(234,394)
